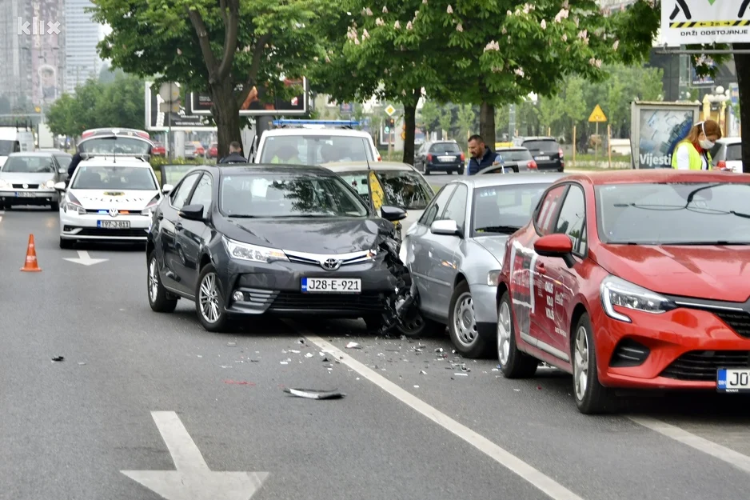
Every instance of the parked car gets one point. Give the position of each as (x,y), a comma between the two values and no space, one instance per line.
(243,241)
(190,151)
(158,149)
(546,152)
(213,151)
(199,149)
(388,183)
(727,154)
(29,179)
(440,156)
(456,249)
(632,280)
(514,160)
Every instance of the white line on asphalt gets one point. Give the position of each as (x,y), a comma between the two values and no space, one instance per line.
(186,455)
(701,444)
(546,484)
(85,259)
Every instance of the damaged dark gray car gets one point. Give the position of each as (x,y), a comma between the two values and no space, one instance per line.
(243,241)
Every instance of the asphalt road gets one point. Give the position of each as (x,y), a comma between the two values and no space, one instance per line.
(414,424)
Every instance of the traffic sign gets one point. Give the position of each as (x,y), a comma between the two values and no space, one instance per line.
(37,109)
(390,110)
(597,116)
(169,107)
(169,92)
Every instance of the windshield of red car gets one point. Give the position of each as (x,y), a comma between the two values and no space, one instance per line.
(674,213)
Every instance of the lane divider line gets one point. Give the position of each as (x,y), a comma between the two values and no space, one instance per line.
(546,484)
(715,450)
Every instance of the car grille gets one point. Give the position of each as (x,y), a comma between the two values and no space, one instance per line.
(365,302)
(28,186)
(739,321)
(115,233)
(701,366)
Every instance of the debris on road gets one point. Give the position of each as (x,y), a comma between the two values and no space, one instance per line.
(423,372)
(301,341)
(232,344)
(309,355)
(239,382)
(81,363)
(58,359)
(353,345)
(315,394)
(461,374)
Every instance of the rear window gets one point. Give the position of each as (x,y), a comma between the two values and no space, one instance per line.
(515,155)
(542,146)
(445,147)
(403,189)
(734,152)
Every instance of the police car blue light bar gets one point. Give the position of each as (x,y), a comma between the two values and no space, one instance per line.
(346,123)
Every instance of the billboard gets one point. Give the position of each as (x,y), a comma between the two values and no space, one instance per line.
(688,22)
(259,102)
(158,121)
(657,127)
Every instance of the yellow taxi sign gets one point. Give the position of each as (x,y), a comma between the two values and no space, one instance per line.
(376,190)
(597,116)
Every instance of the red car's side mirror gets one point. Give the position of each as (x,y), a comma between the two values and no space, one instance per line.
(556,245)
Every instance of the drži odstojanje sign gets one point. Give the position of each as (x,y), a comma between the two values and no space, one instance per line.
(688,22)
(656,128)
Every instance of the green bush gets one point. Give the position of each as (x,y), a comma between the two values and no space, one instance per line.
(158,161)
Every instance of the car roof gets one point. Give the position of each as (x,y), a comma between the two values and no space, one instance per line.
(488,180)
(317,131)
(513,148)
(267,168)
(660,175)
(730,140)
(108,161)
(357,166)
(536,138)
(33,153)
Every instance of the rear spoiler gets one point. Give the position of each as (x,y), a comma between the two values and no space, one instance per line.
(86,156)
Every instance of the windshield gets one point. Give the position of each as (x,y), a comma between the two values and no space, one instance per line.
(542,146)
(404,189)
(315,149)
(29,164)
(674,214)
(515,154)
(115,145)
(6,147)
(288,195)
(734,152)
(504,209)
(114,178)
(64,160)
(445,147)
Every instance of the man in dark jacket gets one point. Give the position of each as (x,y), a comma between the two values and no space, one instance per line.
(481,156)
(73,165)
(235,154)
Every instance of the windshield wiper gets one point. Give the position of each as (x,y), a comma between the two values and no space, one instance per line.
(498,229)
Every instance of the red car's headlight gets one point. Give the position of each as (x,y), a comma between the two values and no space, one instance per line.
(618,292)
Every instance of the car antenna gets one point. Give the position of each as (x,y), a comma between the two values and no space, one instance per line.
(367,159)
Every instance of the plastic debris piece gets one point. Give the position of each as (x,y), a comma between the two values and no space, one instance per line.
(81,363)
(239,382)
(58,359)
(294,352)
(284,362)
(539,388)
(200,356)
(517,390)
(231,344)
(309,355)
(495,370)
(423,372)
(255,361)
(416,387)
(439,349)
(315,394)
(225,366)
(461,374)
(326,360)
(353,345)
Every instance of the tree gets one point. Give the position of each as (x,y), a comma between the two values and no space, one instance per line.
(466,122)
(226,48)
(430,116)
(446,120)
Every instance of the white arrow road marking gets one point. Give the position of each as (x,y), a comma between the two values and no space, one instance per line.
(546,484)
(193,480)
(85,259)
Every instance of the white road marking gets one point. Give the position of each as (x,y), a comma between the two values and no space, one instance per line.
(85,259)
(193,480)
(549,486)
(696,442)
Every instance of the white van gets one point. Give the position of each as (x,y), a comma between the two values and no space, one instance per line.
(13,140)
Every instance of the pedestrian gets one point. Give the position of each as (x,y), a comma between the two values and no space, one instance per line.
(235,154)
(481,155)
(693,152)
(73,165)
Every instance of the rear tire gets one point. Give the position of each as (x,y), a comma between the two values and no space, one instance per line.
(157,294)
(67,244)
(209,302)
(461,171)
(426,170)
(513,362)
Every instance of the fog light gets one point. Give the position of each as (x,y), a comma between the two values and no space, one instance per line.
(239,296)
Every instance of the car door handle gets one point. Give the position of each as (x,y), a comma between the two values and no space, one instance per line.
(178,227)
(161,217)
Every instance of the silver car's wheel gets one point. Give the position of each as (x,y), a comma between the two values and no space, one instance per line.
(463,327)
(503,334)
(208,298)
(464,322)
(581,363)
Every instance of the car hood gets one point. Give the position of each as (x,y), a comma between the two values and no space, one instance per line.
(26,178)
(707,272)
(495,245)
(93,199)
(320,236)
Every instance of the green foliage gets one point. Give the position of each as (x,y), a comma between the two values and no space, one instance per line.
(96,104)
(158,161)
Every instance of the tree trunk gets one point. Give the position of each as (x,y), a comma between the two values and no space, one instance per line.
(487,124)
(226,113)
(410,122)
(742,62)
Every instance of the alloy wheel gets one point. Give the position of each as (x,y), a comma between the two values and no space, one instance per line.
(464,322)
(153,280)
(581,363)
(503,333)
(208,297)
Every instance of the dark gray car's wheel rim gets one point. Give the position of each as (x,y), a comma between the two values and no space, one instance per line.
(153,280)
(581,363)
(208,297)
(503,334)
(464,322)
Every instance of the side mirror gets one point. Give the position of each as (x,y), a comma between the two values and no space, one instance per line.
(192,212)
(444,227)
(556,245)
(393,214)
(60,186)
(167,188)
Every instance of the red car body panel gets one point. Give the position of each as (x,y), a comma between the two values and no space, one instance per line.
(546,294)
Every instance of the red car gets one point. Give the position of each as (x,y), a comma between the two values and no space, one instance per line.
(635,279)
(158,149)
(213,150)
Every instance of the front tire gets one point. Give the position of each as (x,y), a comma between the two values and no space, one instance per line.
(209,301)
(513,362)
(591,397)
(462,325)
(157,294)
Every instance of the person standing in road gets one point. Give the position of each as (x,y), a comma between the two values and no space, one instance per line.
(692,153)
(481,155)
(73,166)
(235,154)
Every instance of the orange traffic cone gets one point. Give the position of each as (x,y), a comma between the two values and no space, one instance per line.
(31,265)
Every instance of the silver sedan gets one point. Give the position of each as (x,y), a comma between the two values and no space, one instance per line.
(455,251)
